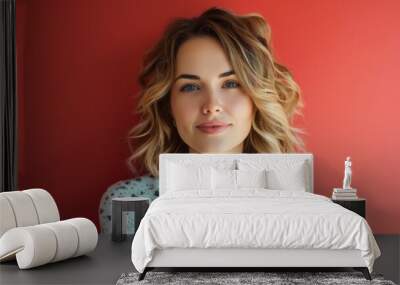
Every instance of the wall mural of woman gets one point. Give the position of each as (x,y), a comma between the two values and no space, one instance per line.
(211,84)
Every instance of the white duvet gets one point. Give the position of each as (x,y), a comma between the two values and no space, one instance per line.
(251,218)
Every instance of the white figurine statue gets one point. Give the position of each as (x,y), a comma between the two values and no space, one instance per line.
(347,173)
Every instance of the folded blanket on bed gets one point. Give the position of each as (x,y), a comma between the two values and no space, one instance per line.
(251,218)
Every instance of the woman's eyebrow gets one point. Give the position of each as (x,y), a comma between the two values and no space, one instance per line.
(192,76)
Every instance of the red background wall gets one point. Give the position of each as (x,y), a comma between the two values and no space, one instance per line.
(77,67)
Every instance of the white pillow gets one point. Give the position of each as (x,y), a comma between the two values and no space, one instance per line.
(224,179)
(251,178)
(181,177)
(293,178)
(229,179)
(281,174)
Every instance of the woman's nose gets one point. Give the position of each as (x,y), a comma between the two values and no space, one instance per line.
(211,104)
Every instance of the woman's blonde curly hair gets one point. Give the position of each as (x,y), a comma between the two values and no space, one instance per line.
(247,42)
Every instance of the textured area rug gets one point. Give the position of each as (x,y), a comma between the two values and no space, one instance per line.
(270,278)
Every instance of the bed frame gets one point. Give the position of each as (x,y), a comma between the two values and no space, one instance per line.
(243,259)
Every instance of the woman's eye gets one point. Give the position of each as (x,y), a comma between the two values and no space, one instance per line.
(231,84)
(192,87)
(188,88)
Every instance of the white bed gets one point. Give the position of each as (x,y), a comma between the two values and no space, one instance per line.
(215,211)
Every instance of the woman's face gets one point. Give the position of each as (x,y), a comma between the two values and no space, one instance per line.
(211,111)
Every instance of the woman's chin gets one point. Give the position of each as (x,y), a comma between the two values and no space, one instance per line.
(213,149)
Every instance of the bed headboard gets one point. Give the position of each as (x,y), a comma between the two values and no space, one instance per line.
(227,160)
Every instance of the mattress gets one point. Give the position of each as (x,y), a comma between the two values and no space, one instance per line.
(250,219)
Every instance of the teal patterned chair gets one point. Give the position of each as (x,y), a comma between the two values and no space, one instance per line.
(144,186)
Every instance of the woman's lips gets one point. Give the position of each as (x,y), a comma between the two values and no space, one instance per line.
(213,129)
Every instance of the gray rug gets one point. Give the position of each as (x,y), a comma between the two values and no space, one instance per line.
(270,278)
